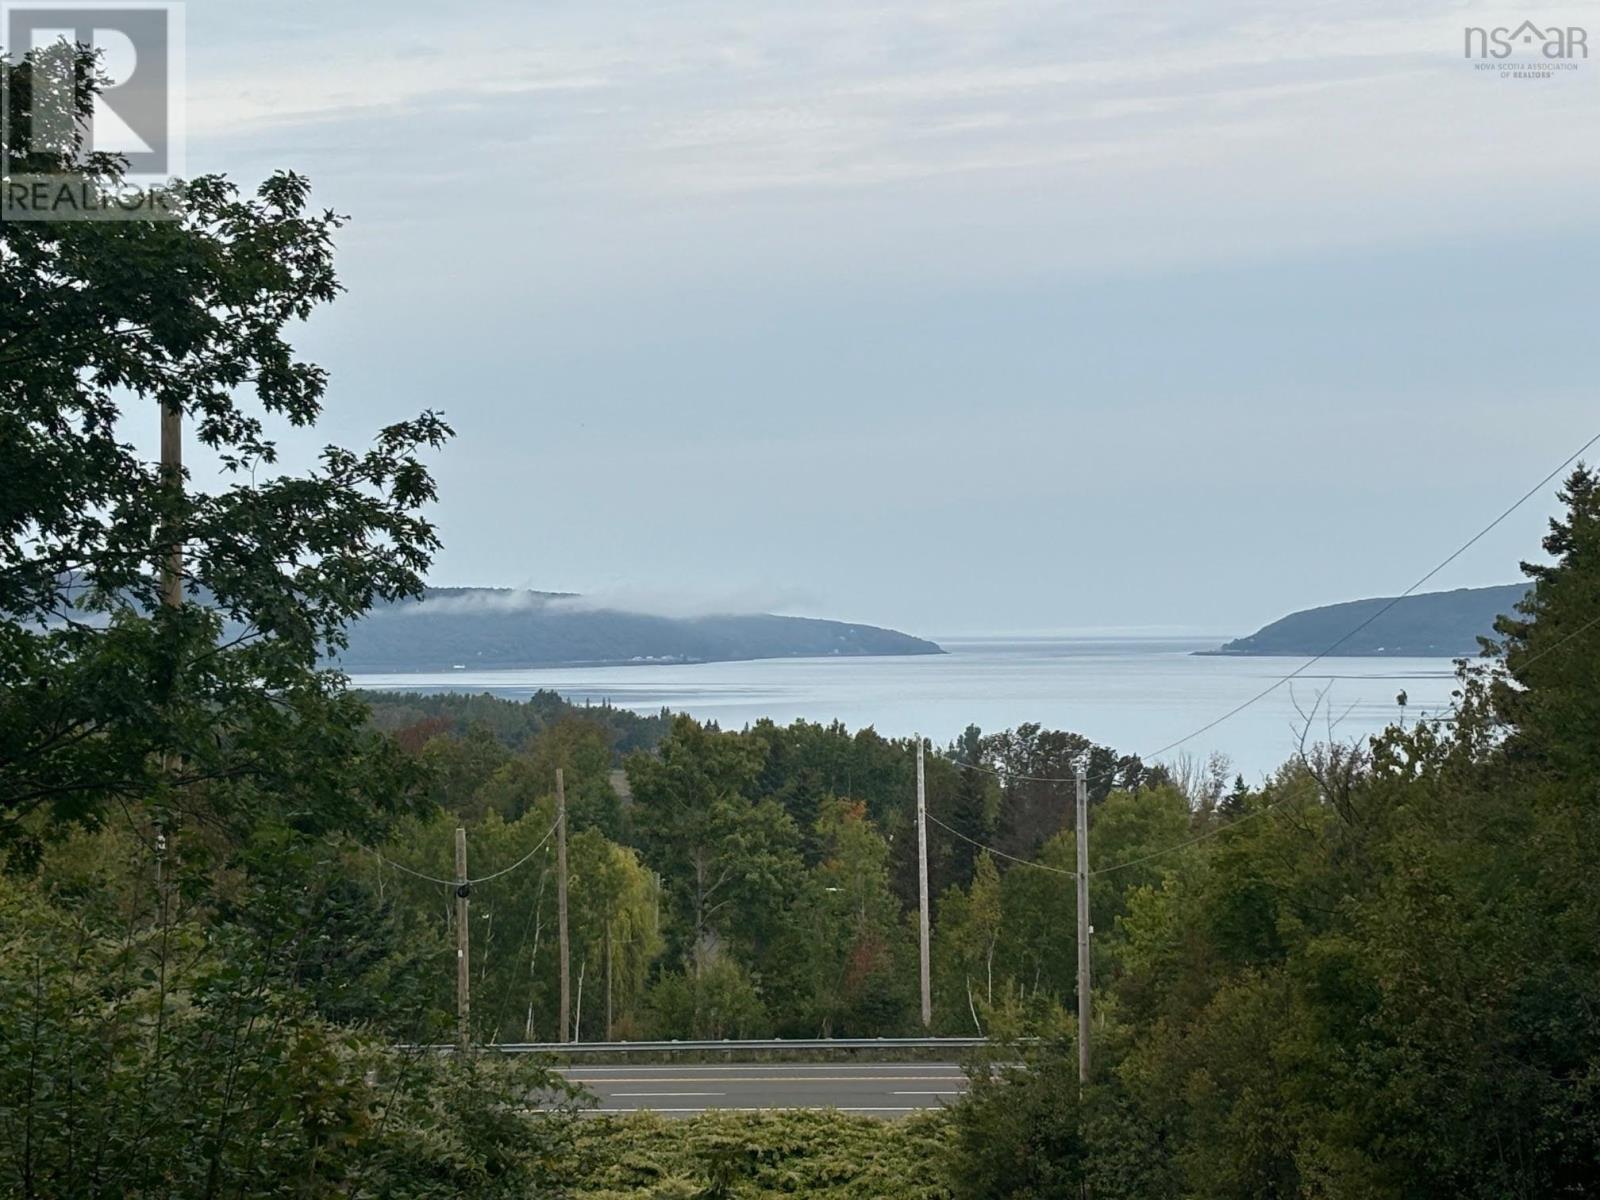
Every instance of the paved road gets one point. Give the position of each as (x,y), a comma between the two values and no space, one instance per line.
(874,1089)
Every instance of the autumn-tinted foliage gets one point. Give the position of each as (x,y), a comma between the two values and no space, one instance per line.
(228,892)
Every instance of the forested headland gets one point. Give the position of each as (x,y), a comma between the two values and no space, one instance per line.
(1423,625)
(227,895)
(491,628)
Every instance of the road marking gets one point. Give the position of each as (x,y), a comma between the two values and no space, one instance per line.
(784,1079)
(946,1092)
(734,1072)
(620,1095)
(870,1108)
(768,1066)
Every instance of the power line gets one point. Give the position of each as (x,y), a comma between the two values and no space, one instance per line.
(1010,776)
(1455,554)
(1210,833)
(389,862)
(1311,662)
(1132,862)
(522,860)
(1584,628)
(1592,623)
(481,879)
(1039,866)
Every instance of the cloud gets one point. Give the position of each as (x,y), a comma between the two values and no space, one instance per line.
(633,114)
(843,285)
(674,602)
(477,602)
(640,599)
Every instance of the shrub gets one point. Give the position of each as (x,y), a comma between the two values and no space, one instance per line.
(157,1063)
(823,1154)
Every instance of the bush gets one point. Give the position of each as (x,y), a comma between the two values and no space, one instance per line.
(1018,1131)
(158,1063)
(826,1155)
(716,1001)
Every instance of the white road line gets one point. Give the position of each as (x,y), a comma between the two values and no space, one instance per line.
(768,1066)
(872,1108)
(629,1095)
(946,1092)
(920,1068)
(779,1079)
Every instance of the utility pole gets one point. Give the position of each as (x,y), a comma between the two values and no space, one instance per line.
(463,967)
(561,906)
(922,889)
(172,477)
(1081,804)
(171,573)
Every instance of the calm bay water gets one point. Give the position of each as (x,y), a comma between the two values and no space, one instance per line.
(1136,694)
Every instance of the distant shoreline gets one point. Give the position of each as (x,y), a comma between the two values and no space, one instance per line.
(1425,625)
(1337,654)
(451,629)
(602,663)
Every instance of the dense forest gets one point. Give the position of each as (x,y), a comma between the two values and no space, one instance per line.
(225,908)
(1374,975)
(750,883)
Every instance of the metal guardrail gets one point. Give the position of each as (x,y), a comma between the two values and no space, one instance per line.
(712,1046)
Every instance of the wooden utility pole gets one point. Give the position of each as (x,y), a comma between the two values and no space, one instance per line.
(463,963)
(171,569)
(561,907)
(1081,805)
(922,890)
(172,477)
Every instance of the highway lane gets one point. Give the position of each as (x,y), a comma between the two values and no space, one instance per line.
(872,1089)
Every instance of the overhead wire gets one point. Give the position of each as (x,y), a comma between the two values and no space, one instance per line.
(1200,837)
(1132,862)
(480,879)
(1312,661)
(1592,623)
(1584,628)
(1215,830)
(1110,769)
(524,859)
(389,862)
(1038,866)
(1005,776)
(1445,562)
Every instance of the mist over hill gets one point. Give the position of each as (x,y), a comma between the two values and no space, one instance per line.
(1427,625)
(498,627)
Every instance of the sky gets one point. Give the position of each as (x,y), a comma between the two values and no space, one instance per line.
(958,317)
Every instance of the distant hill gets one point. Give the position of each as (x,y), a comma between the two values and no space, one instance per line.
(1427,625)
(496,627)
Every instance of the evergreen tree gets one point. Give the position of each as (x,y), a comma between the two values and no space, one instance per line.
(1233,804)
(969,811)
(1552,699)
